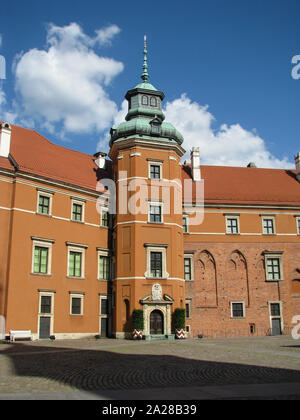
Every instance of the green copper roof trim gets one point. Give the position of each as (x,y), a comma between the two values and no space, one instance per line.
(146,112)
(146,86)
(143,127)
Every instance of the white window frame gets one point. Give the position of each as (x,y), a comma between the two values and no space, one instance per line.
(80,296)
(103,253)
(157,204)
(155,163)
(191,258)
(156,248)
(236,217)
(274,255)
(274,224)
(43,243)
(81,203)
(80,249)
(276,316)
(49,315)
(231,310)
(48,195)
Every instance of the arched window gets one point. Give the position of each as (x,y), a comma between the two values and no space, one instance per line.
(153,101)
(144,100)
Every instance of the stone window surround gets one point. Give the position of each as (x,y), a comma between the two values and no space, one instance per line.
(273,254)
(231,310)
(191,257)
(77,295)
(73,247)
(51,294)
(235,216)
(81,202)
(44,193)
(156,162)
(276,316)
(268,217)
(43,243)
(156,248)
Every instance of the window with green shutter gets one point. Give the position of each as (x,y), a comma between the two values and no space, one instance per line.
(40,260)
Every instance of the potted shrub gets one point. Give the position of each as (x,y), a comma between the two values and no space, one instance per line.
(138,323)
(179,323)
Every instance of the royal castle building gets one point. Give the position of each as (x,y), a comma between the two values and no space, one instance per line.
(85,240)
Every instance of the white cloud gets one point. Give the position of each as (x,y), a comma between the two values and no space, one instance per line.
(65,85)
(104,36)
(229,145)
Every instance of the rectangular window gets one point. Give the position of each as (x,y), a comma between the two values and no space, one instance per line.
(156,264)
(237,310)
(77,212)
(273,269)
(45,305)
(187,310)
(44,204)
(104,307)
(268,226)
(275,309)
(155,214)
(187,269)
(104,218)
(75,264)
(40,260)
(155,172)
(76,305)
(232,225)
(104,267)
(185,224)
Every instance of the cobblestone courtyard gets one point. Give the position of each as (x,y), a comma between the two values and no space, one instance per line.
(256,367)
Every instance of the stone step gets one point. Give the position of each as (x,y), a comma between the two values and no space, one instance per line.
(157,337)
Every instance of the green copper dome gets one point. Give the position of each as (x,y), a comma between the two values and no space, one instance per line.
(145,116)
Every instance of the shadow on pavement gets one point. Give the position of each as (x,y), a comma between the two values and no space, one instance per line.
(104,372)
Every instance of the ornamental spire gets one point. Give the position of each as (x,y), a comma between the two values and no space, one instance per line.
(145,75)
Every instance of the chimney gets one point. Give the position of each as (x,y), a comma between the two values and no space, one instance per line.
(5,136)
(297,163)
(195,159)
(100,160)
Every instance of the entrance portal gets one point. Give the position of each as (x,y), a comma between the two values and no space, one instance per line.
(156,323)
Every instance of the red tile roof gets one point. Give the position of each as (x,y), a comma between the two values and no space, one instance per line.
(224,184)
(35,154)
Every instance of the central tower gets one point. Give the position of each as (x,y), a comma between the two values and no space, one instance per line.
(148,234)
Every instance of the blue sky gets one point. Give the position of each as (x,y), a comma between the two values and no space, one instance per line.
(224,66)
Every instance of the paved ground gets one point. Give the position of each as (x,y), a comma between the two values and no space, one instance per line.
(106,369)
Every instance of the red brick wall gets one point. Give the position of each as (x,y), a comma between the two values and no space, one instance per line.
(226,272)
